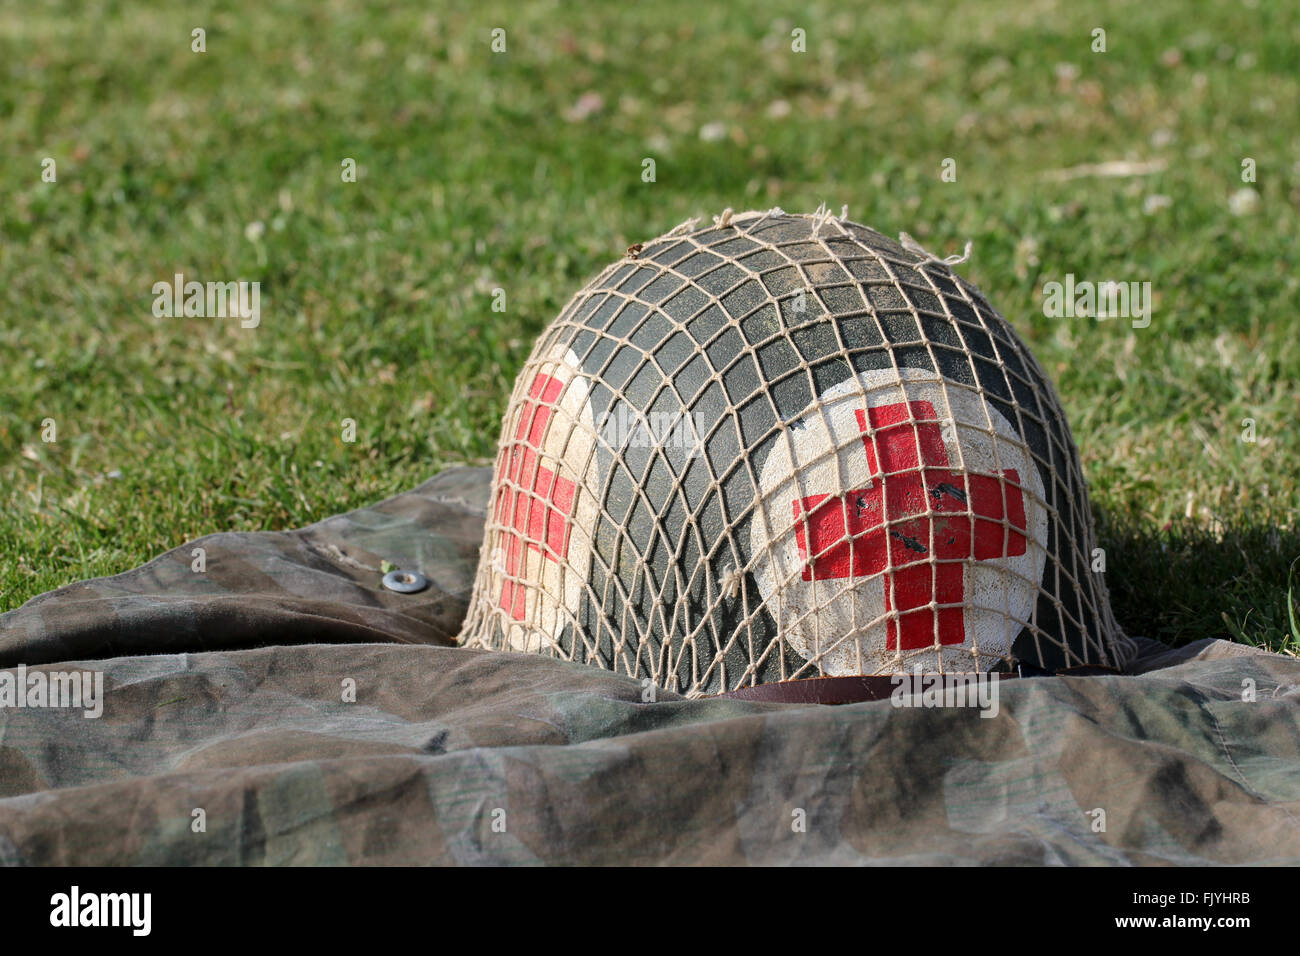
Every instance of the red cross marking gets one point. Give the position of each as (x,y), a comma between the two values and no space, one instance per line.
(537,503)
(918,504)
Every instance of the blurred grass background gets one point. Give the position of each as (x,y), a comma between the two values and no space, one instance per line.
(522,170)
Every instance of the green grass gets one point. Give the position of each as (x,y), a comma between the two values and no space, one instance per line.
(474,173)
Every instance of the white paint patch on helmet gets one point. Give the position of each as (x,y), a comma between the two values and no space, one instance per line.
(840,624)
(545,509)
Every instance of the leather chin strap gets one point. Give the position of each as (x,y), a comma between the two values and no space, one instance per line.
(864,687)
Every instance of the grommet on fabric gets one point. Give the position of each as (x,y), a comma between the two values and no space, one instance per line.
(405,582)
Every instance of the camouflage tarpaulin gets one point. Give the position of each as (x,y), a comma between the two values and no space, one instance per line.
(221,697)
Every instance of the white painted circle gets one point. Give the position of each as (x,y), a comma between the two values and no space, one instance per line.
(840,625)
(535,586)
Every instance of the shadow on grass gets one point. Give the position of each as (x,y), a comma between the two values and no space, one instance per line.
(1184,582)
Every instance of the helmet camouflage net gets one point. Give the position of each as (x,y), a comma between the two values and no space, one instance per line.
(781,447)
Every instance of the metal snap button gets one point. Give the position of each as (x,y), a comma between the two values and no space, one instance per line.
(405,582)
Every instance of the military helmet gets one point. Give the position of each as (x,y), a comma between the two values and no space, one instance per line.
(780,447)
